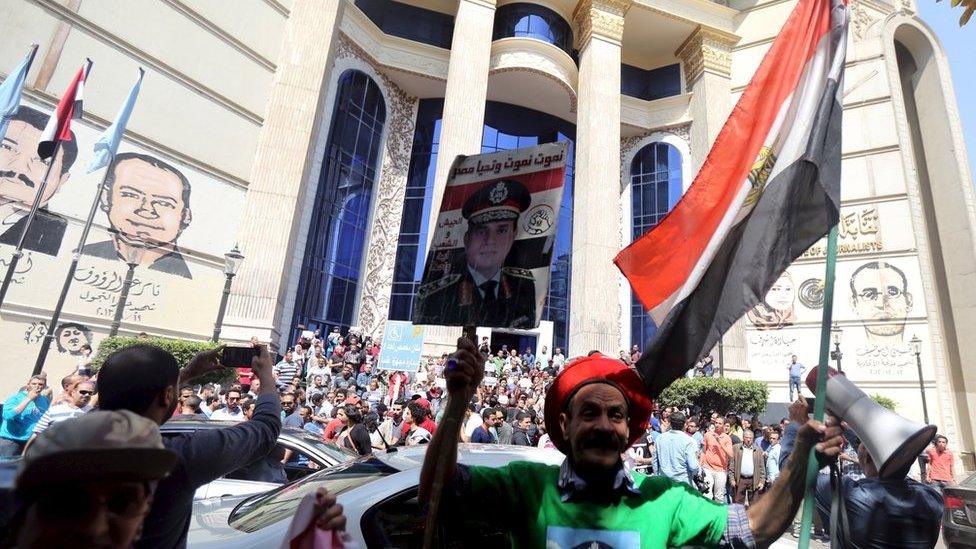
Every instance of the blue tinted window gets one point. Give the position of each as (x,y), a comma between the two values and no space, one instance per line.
(533,21)
(410,22)
(329,278)
(506,127)
(655,185)
(412,246)
(650,84)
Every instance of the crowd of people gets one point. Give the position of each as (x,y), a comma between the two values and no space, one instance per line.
(336,388)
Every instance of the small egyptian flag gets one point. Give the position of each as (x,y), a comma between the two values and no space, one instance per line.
(768,190)
(59,125)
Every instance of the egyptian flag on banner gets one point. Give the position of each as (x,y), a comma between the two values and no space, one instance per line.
(768,190)
(59,125)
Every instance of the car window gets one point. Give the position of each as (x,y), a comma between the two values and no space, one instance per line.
(265,509)
(332,451)
(300,464)
(399,523)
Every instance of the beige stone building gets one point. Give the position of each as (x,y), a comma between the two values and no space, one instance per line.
(317,134)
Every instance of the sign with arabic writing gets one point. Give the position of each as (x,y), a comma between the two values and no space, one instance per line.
(859,232)
(402,343)
(491,252)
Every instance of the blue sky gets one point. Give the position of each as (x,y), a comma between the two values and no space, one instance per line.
(959,44)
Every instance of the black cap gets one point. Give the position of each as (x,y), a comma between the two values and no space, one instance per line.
(496,201)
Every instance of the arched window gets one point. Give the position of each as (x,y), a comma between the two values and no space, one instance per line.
(655,185)
(329,283)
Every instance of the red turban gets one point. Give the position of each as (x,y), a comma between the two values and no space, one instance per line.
(597,368)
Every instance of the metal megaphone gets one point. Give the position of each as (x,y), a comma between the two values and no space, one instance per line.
(893,441)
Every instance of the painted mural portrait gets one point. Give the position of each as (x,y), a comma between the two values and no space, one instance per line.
(147,202)
(71,337)
(21,173)
(880,298)
(776,310)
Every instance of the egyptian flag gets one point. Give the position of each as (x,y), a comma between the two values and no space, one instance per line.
(768,190)
(59,125)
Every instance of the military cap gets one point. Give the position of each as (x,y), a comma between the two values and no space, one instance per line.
(503,199)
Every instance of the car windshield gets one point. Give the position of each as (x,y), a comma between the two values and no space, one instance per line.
(270,507)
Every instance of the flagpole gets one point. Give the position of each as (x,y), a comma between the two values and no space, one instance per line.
(56,315)
(19,251)
(818,407)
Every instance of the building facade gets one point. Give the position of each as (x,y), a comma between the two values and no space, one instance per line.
(317,136)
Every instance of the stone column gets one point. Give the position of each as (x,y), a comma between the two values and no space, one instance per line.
(707,59)
(272,205)
(467,89)
(463,119)
(594,320)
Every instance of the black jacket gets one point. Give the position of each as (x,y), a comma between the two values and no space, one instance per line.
(454,300)
(205,456)
(45,234)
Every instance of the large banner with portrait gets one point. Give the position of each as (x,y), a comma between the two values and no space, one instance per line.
(172,220)
(491,252)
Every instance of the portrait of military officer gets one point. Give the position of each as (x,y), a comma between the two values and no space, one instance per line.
(477,288)
(21,173)
(147,202)
(880,298)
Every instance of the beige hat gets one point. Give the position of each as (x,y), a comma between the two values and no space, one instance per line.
(119,446)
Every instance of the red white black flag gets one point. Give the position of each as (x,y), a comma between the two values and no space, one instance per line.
(59,125)
(768,190)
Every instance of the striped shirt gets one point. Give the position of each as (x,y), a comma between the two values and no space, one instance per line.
(57,414)
(286,372)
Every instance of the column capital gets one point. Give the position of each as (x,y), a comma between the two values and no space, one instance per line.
(707,50)
(604,18)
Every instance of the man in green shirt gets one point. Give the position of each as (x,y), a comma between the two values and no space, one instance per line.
(595,409)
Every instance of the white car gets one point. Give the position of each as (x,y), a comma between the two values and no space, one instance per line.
(309,452)
(378,493)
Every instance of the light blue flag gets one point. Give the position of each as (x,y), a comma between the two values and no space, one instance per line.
(108,144)
(11,88)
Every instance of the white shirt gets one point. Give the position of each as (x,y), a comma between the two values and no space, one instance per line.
(225,414)
(542,358)
(316,370)
(473,423)
(58,413)
(746,469)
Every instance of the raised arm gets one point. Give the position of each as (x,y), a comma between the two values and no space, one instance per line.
(462,381)
(772,515)
(216,452)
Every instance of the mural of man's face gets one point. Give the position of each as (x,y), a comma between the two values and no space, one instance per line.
(72,338)
(487,245)
(880,295)
(147,203)
(21,170)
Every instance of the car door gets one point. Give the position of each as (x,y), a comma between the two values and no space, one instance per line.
(399,522)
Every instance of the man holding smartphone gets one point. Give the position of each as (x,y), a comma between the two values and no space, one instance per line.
(144,379)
